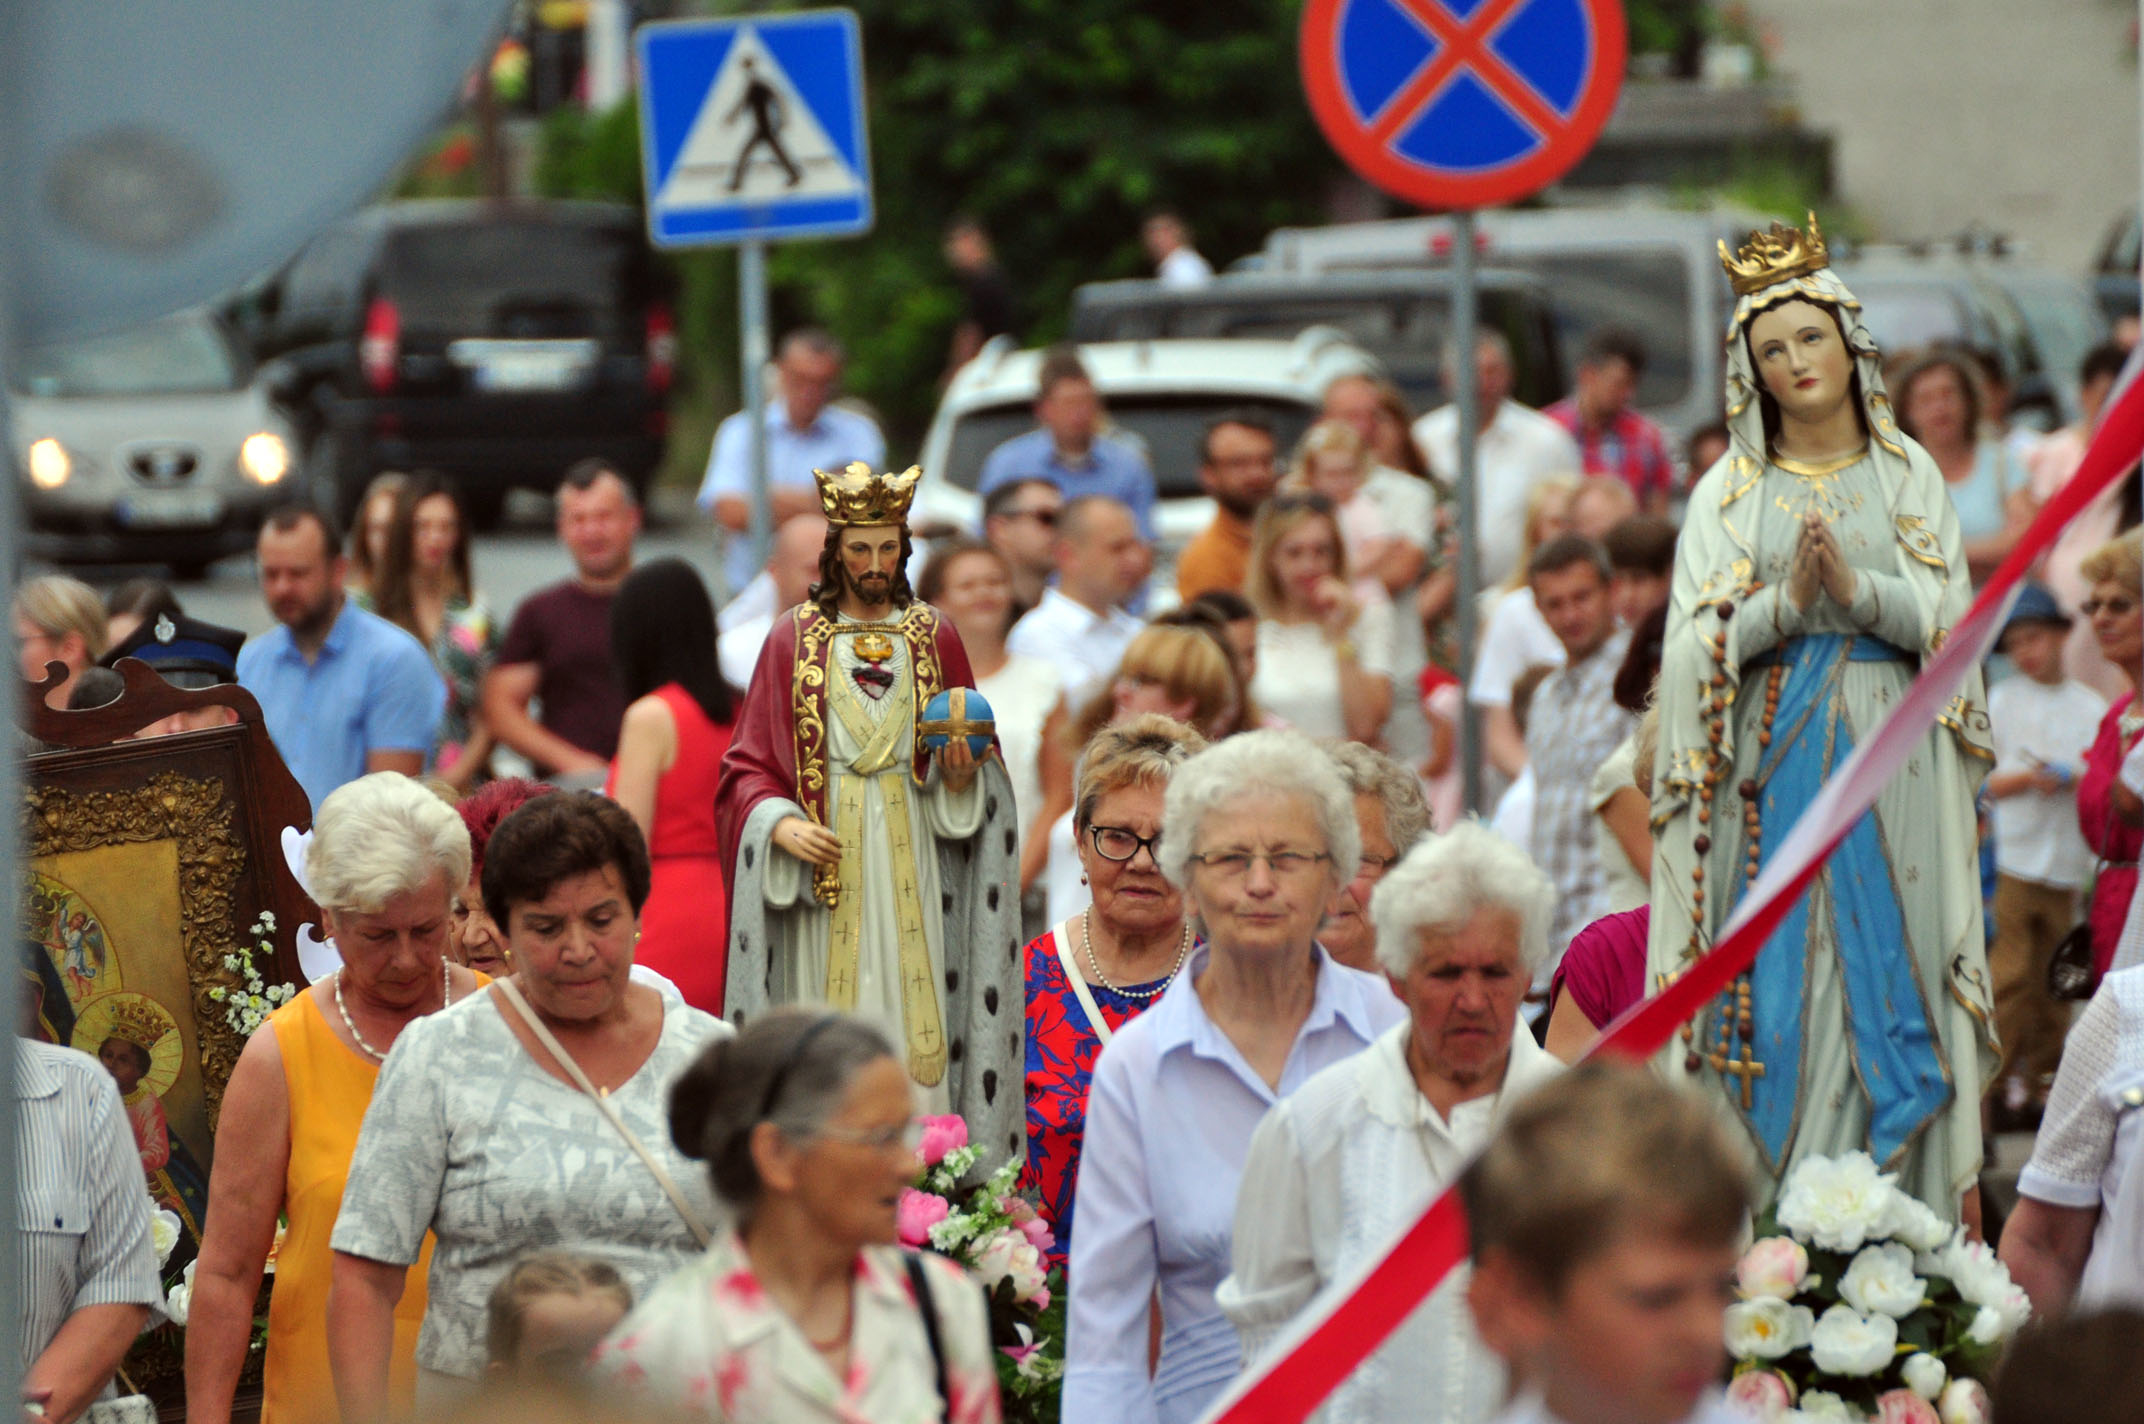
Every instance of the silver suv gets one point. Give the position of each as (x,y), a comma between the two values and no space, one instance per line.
(1159,395)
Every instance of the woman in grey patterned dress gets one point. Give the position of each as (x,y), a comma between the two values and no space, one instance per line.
(480,1136)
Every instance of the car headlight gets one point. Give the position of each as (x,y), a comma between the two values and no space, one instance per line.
(264,457)
(50,464)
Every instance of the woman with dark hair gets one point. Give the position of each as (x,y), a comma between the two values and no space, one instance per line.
(677,726)
(422,586)
(807,1309)
(533,1114)
(1942,404)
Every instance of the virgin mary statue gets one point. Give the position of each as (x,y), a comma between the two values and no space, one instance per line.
(1819,564)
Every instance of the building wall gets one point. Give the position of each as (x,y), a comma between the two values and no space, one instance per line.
(2020,115)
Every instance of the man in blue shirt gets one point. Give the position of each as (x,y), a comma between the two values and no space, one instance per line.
(1069,449)
(344,692)
(804,433)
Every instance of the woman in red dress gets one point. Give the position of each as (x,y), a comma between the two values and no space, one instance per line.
(2116,610)
(677,726)
(1105,966)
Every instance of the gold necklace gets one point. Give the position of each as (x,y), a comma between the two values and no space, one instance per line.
(1816,469)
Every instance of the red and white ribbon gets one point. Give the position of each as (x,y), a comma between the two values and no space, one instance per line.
(1355,1315)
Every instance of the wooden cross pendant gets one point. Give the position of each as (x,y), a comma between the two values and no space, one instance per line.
(1747,1069)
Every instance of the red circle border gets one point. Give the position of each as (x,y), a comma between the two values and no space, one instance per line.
(1317,56)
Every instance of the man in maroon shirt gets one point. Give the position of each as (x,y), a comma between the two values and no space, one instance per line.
(557,649)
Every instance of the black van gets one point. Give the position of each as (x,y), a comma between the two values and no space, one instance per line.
(497,343)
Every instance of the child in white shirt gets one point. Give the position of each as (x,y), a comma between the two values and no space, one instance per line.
(2042,722)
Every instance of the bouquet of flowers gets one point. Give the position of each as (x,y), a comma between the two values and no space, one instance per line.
(998,1236)
(1859,1302)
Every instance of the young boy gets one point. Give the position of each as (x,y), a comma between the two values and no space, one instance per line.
(2042,723)
(1605,1220)
(547,1315)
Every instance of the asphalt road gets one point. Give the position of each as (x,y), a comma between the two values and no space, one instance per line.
(509,564)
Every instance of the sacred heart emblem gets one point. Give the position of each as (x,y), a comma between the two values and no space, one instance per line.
(874,680)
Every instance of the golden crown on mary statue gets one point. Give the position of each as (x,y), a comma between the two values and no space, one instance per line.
(1780,255)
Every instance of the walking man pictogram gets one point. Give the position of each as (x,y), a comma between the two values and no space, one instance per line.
(767,122)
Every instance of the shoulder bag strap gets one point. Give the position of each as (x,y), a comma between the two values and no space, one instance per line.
(920,1282)
(544,1036)
(1063,935)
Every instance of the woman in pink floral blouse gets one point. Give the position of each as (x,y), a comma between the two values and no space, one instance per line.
(807,1309)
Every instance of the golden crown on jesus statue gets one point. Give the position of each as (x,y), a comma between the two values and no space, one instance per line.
(855,496)
(1769,258)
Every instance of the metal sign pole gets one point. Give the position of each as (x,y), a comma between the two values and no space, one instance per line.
(752,334)
(1464,397)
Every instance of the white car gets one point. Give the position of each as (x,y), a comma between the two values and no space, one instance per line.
(158,444)
(1158,394)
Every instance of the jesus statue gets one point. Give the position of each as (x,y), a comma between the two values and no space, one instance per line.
(868,874)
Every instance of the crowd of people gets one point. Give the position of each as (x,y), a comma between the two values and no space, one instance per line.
(1278,986)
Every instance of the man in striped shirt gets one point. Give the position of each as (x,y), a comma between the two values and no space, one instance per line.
(89,1282)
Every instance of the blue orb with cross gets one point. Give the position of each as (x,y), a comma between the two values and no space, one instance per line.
(958,712)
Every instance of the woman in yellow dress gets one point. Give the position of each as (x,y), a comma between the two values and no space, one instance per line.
(386,859)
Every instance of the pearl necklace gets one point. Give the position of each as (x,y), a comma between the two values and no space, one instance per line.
(446,997)
(1086,936)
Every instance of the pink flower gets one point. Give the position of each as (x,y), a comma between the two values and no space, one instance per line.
(1042,1298)
(1038,1233)
(942,1135)
(1775,1266)
(1903,1406)
(917,1213)
(1017,1209)
(1761,1394)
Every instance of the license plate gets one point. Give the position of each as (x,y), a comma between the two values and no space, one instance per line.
(524,365)
(170,509)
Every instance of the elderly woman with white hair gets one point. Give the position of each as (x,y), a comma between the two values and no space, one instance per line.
(1259,833)
(1356,1152)
(1392,816)
(386,858)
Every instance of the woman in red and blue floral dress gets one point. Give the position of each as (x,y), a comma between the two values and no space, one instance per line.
(1104,966)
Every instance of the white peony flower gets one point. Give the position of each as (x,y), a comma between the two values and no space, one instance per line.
(1822,1404)
(1767,1328)
(1838,1203)
(1924,1374)
(1846,1342)
(164,1233)
(1987,1326)
(1881,1281)
(1964,1401)
(1008,1255)
(1911,1221)
(180,1297)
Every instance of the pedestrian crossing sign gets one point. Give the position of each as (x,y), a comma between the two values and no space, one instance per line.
(752,128)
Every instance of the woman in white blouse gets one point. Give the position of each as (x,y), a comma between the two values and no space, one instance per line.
(2076,1240)
(1324,652)
(1343,1163)
(1259,833)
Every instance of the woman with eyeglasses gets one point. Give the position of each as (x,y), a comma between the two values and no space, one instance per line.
(1093,973)
(807,1309)
(1324,652)
(2112,822)
(1259,834)
(531,1114)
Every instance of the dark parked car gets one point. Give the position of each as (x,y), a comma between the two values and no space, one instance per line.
(496,343)
(1912,299)
(1402,317)
(2114,276)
